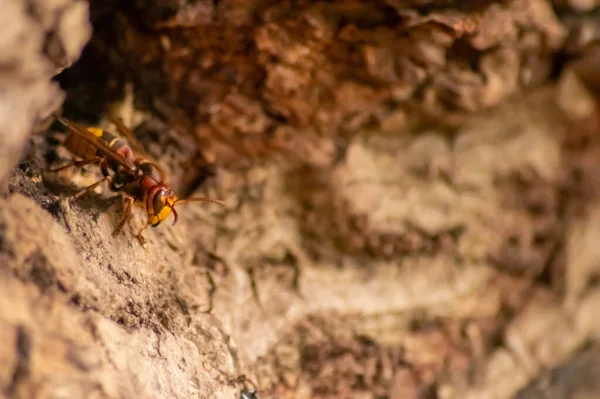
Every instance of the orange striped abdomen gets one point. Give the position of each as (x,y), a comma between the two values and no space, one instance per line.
(81,148)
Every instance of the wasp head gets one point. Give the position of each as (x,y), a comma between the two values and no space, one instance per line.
(159,205)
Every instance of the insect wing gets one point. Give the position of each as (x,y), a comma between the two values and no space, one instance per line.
(82,132)
(129,135)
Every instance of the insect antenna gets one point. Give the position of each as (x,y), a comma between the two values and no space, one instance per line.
(192,199)
(199,199)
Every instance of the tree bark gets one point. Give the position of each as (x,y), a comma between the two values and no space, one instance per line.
(411,199)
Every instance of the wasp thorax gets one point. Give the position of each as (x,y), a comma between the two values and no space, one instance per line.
(151,170)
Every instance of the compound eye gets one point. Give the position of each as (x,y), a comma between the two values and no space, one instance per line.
(158,202)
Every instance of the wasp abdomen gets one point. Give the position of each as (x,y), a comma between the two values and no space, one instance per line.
(80,147)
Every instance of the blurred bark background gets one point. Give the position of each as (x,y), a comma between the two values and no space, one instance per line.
(412,199)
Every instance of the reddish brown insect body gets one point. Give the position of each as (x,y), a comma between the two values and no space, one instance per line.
(138,179)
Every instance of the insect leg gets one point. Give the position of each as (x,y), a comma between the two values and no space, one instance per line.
(104,167)
(77,164)
(126,216)
(90,188)
(139,235)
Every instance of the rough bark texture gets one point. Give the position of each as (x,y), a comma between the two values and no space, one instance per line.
(412,200)
(39,38)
